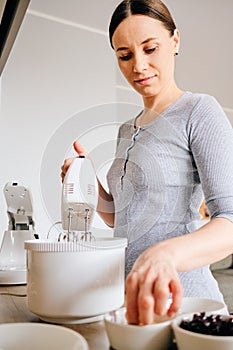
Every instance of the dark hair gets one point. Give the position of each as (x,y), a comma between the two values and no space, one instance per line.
(152,8)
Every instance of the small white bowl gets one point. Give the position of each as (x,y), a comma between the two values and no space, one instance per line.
(192,341)
(157,336)
(191,305)
(39,336)
(122,336)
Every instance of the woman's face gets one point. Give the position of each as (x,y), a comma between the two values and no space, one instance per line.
(145,52)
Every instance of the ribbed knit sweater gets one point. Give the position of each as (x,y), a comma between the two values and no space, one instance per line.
(161,173)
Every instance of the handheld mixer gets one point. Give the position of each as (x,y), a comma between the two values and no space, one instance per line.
(79,199)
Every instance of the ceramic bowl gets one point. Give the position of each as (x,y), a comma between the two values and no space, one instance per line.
(122,336)
(190,305)
(192,341)
(157,336)
(39,336)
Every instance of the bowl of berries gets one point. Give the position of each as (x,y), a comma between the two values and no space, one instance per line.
(203,331)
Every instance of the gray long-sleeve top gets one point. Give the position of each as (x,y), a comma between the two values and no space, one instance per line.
(161,173)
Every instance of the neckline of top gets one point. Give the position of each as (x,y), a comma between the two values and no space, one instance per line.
(172,105)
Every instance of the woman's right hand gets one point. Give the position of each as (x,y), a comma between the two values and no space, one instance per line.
(80,152)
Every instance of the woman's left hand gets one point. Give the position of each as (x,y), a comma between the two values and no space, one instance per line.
(148,286)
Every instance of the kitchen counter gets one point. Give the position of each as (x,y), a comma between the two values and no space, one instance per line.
(13,308)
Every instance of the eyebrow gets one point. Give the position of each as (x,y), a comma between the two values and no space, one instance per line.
(144,42)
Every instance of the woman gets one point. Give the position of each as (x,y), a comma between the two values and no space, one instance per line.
(177,151)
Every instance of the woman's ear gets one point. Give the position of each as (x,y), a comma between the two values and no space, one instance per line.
(176,41)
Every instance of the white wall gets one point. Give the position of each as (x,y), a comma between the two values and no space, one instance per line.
(57,84)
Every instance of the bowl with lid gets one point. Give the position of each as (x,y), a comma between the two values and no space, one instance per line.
(69,282)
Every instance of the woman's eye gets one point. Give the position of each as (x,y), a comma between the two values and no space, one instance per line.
(151,50)
(125,57)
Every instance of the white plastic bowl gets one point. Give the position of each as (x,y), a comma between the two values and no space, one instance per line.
(38,336)
(122,336)
(68,283)
(196,341)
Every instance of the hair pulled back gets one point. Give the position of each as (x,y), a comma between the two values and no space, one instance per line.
(152,8)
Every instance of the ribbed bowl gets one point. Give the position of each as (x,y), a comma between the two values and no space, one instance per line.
(67,283)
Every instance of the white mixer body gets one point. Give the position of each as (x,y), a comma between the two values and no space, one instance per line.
(79,194)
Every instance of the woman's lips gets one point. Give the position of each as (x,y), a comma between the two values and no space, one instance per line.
(144,81)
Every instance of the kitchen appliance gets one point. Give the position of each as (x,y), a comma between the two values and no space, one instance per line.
(76,277)
(79,199)
(20,228)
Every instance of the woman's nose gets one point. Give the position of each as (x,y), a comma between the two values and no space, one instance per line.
(140,63)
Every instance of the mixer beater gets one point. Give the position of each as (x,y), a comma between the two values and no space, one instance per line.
(72,236)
